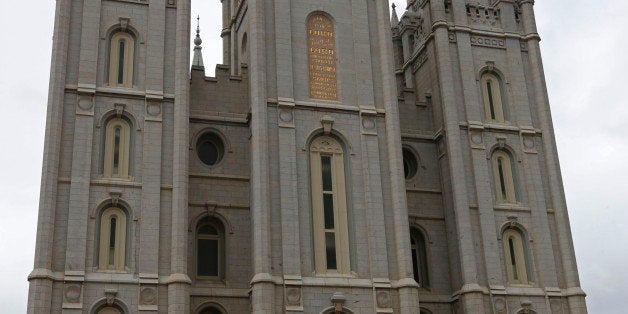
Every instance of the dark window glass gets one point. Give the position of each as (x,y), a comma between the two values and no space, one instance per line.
(330,243)
(328,201)
(502,181)
(121,63)
(415,264)
(207,262)
(112,240)
(410,164)
(116,150)
(326,168)
(513,260)
(210,310)
(210,149)
(207,229)
(490,99)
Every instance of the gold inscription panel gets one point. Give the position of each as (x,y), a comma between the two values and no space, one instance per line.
(321,46)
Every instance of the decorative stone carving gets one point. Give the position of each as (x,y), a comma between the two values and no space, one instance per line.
(383,298)
(476,135)
(119,108)
(490,42)
(148,296)
(286,115)
(338,300)
(452,37)
(368,123)
(293,296)
(328,123)
(85,101)
(110,295)
(556,306)
(124,22)
(500,305)
(528,138)
(115,196)
(480,14)
(153,108)
(72,293)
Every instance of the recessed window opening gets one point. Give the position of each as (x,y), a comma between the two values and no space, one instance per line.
(117,149)
(419,257)
(210,149)
(112,244)
(516,257)
(504,179)
(331,238)
(490,99)
(410,164)
(210,249)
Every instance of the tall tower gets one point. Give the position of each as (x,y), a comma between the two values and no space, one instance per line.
(473,105)
(331,165)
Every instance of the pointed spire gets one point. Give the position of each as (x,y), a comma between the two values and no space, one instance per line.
(394,20)
(198,56)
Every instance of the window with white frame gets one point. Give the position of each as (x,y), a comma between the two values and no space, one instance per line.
(329,203)
(117,148)
(112,245)
(121,59)
(503,174)
(516,257)
(493,98)
(210,244)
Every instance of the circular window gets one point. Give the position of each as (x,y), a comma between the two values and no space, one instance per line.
(210,149)
(410,164)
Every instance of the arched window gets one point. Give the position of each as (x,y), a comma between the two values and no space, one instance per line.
(110,310)
(211,310)
(419,257)
(493,98)
(516,256)
(117,149)
(503,174)
(210,249)
(121,57)
(112,244)
(329,204)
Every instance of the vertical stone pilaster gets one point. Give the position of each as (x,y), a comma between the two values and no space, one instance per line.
(576,295)
(373,197)
(179,282)
(290,227)
(470,298)
(40,289)
(262,298)
(408,295)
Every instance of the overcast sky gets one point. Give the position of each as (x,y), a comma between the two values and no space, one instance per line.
(586,66)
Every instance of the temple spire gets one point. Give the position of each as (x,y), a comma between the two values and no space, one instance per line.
(198,56)
(394,20)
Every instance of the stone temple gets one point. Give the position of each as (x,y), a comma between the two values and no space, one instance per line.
(344,159)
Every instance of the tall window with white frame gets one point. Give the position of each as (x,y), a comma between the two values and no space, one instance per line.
(515,253)
(121,57)
(329,203)
(112,244)
(492,92)
(117,148)
(210,243)
(419,257)
(503,174)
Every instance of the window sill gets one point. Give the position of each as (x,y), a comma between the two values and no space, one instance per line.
(511,207)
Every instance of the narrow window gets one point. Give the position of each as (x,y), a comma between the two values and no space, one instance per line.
(121,55)
(419,257)
(112,241)
(516,256)
(209,249)
(112,245)
(494,105)
(121,64)
(117,149)
(490,99)
(504,180)
(331,238)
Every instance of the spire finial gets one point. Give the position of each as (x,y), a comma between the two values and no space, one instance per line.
(394,19)
(198,41)
(198,56)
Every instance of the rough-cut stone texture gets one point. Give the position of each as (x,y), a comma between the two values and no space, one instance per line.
(415,86)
